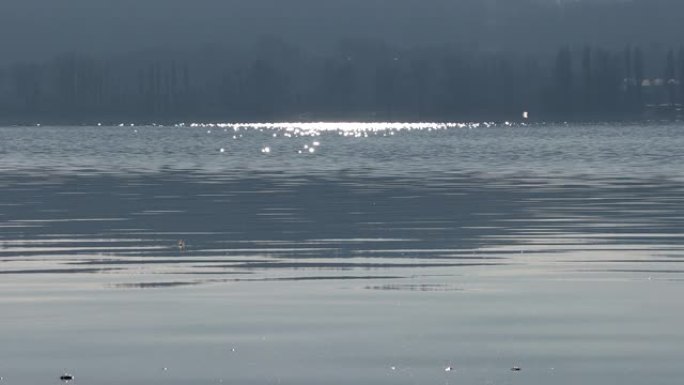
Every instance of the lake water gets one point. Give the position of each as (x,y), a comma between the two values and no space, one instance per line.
(342,254)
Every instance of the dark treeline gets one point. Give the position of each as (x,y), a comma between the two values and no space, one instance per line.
(358,80)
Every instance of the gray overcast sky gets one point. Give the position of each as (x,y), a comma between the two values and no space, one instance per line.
(39,28)
(103,25)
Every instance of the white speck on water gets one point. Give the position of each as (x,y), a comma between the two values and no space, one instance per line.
(525,115)
(266,150)
(316,144)
(165,369)
(222,149)
(208,131)
(312,150)
(393,367)
(448,369)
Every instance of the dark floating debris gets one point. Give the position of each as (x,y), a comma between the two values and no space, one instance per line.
(66,377)
(516,369)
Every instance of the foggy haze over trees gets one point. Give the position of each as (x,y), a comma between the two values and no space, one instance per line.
(81,61)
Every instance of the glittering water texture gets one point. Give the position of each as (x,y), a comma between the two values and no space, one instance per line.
(342,253)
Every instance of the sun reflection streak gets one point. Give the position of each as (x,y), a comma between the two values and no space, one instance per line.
(356,129)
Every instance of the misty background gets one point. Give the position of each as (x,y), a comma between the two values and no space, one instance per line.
(78,60)
(34,29)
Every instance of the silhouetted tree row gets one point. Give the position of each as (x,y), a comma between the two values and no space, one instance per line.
(359,79)
(613,84)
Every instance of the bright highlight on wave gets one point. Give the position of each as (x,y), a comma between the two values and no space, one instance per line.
(344,128)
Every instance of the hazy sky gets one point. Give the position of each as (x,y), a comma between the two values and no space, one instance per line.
(36,28)
(38,25)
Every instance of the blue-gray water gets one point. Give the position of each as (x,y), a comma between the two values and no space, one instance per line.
(382,257)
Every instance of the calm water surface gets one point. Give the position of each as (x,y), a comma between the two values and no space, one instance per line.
(342,254)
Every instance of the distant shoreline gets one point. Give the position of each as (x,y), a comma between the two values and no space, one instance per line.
(209,123)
